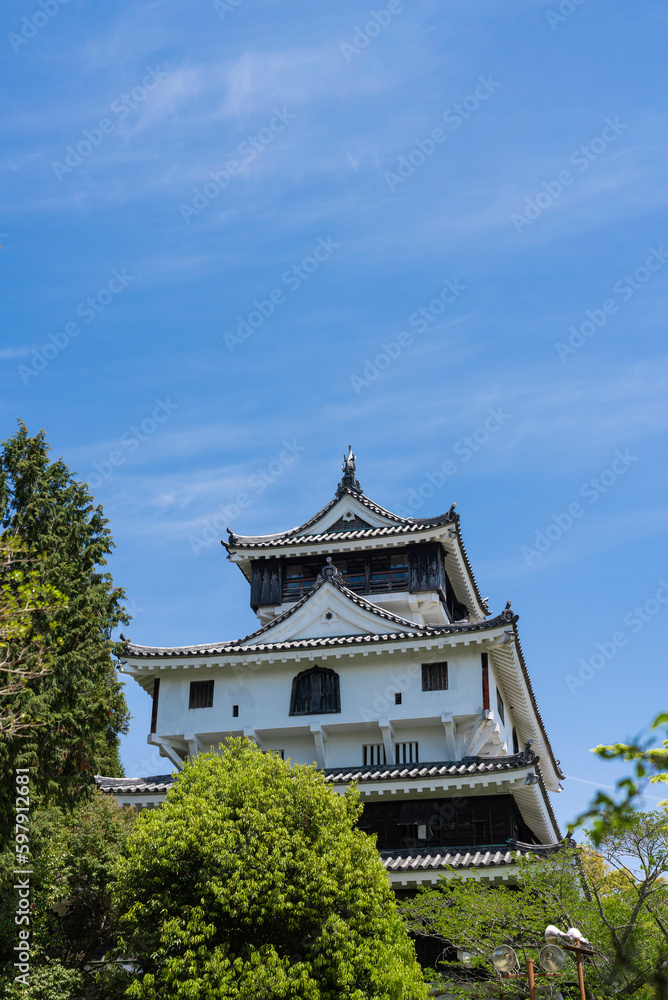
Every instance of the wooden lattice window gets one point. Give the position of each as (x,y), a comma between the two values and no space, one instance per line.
(201,694)
(435,676)
(315,692)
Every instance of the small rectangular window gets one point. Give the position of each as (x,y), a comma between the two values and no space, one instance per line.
(235,711)
(500,706)
(373,754)
(406,753)
(397,698)
(201,694)
(280,753)
(435,676)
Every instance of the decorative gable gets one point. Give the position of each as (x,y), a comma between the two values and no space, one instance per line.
(349,512)
(330,611)
(350,522)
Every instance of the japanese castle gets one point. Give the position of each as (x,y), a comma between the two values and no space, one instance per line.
(377,659)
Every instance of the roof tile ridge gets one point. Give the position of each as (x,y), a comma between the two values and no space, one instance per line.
(457,522)
(358,494)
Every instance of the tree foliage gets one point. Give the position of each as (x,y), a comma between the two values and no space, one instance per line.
(72,919)
(650,766)
(79,698)
(252,881)
(618,898)
(27,645)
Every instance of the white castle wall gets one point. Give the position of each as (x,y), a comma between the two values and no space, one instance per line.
(368,685)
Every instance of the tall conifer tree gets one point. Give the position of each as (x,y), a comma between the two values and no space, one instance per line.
(80,698)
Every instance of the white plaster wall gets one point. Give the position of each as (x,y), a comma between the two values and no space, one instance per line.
(368,686)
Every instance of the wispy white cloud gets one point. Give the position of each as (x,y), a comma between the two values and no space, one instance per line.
(8,353)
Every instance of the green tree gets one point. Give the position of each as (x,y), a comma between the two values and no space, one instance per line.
(27,607)
(79,699)
(252,881)
(650,766)
(72,918)
(617,898)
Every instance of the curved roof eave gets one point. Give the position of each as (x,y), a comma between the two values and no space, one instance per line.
(276,538)
(406,630)
(539,718)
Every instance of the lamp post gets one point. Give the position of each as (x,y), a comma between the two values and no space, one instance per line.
(551,958)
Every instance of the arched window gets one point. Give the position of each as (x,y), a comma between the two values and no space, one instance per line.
(315,692)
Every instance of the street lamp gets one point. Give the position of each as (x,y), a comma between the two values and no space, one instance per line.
(551,957)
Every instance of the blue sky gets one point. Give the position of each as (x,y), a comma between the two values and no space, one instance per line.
(239,236)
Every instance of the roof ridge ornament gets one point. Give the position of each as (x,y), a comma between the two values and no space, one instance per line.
(330,571)
(349,479)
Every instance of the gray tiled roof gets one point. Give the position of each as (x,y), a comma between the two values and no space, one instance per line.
(344,775)
(271,541)
(401,524)
(398,861)
(153,783)
(425,862)
(405,630)
(467,767)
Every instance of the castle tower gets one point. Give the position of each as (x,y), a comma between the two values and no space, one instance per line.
(377,659)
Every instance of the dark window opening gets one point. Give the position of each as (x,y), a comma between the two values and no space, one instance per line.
(456,610)
(485,820)
(154,707)
(516,742)
(363,572)
(315,692)
(389,571)
(397,698)
(201,694)
(500,706)
(435,676)
(235,711)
